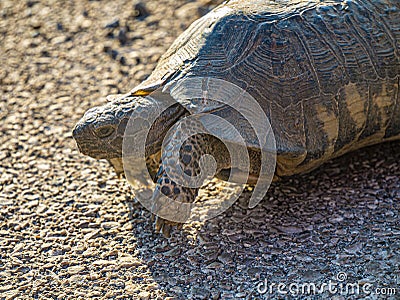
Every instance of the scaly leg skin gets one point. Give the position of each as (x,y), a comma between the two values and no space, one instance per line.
(180,194)
(190,152)
(153,164)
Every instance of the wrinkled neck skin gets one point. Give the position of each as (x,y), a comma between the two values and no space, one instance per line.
(161,126)
(154,139)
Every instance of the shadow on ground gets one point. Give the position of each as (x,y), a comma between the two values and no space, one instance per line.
(339,223)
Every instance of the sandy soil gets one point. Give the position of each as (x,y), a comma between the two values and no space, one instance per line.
(69,229)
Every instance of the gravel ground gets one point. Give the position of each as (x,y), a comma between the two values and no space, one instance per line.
(69,229)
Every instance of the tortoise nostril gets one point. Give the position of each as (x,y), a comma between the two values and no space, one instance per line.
(77,131)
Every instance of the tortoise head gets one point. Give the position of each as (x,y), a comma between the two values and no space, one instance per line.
(99,133)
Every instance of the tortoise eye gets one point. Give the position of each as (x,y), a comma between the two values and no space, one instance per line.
(104,131)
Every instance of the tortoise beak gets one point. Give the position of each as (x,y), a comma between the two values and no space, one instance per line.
(118,166)
(78,135)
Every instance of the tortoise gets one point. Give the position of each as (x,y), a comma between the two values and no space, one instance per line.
(326,74)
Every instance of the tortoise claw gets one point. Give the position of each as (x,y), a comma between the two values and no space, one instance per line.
(165,227)
(158,224)
(166,230)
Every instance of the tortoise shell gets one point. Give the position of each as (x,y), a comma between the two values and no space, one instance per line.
(326,73)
